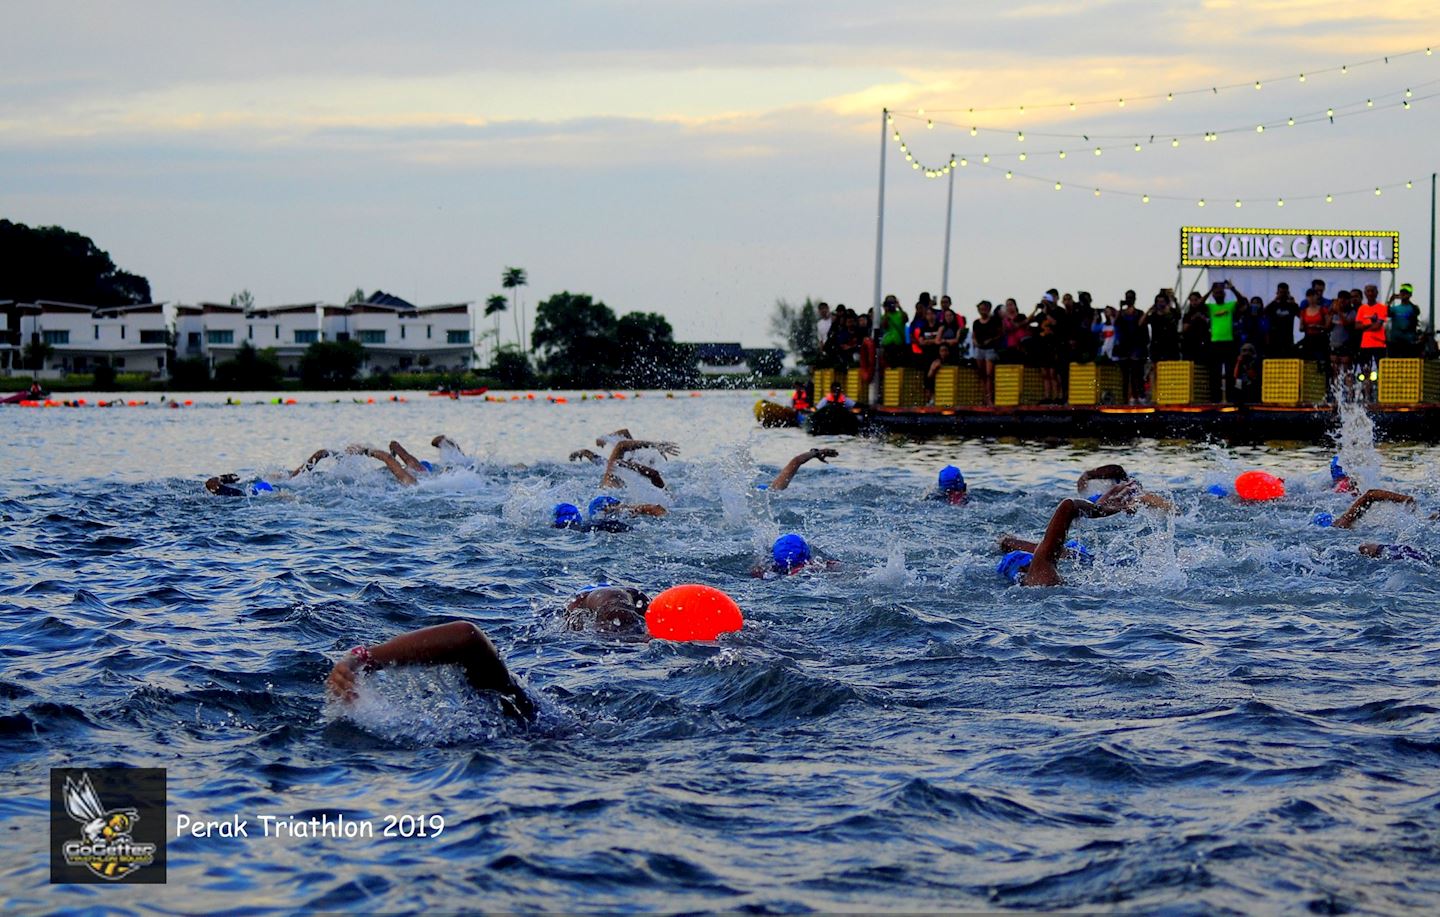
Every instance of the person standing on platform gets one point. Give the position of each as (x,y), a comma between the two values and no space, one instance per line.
(1280,320)
(1222,337)
(1402,339)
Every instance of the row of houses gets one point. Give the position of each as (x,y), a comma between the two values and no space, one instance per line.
(144,338)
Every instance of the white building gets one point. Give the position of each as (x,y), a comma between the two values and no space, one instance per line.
(223,329)
(132,339)
(398,336)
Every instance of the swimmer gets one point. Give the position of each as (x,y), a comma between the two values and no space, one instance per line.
(1394,552)
(1360,507)
(787,474)
(1115,474)
(224,485)
(607,609)
(1338,478)
(455,643)
(606,505)
(1034,564)
(626,446)
(789,555)
(413,464)
(950,486)
(650,474)
(568,516)
(836,398)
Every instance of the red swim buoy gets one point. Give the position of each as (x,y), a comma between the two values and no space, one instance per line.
(692,612)
(1259,485)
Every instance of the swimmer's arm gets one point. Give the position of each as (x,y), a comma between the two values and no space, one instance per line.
(442,441)
(311,462)
(404,455)
(622,433)
(1366,500)
(1155,501)
(1103,473)
(650,474)
(1042,570)
(401,474)
(787,474)
(456,643)
(1010,543)
(608,479)
(584,455)
(643,509)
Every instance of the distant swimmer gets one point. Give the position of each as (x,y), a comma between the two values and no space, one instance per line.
(1113,474)
(568,516)
(950,486)
(412,464)
(607,609)
(787,474)
(1030,564)
(225,485)
(455,643)
(1338,478)
(1394,552)
(1360,507)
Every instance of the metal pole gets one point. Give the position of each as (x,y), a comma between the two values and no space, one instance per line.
(875,310)
(1432,253)
(949,209)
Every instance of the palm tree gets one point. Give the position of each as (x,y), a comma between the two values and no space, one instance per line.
(512,278)
(494,306)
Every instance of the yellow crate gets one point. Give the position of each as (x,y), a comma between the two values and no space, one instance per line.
(1181,382)
(822,379)
(902,387)
(1096,383)
(1409,380)
(854,387)
(957,386)
(1291,382)
(1016,384)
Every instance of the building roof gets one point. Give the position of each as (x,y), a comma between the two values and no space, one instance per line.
(266,311)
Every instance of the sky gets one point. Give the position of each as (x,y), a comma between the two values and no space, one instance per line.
(703,160)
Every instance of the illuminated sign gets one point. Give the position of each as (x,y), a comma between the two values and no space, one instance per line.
(1356,250)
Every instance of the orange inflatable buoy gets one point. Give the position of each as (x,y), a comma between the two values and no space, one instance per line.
(1259,485)
(562,400)
(692,612)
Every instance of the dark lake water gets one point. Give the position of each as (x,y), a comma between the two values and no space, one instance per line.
(1230,710)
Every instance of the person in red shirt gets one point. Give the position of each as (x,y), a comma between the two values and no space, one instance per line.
(1370,322)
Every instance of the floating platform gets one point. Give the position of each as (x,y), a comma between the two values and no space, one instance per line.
(1232,423)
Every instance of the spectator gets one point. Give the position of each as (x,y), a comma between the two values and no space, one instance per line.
(822,325)
(951,331)
(1314,331)
(942,359)
(1047,349)
(1280,317)
(1250,325)
(989,335)
(1015,331)
(1131,346)
(1103,331)
(1403,337)
(1247,375)
(1222,336)
(1343,340)
(892,334)
(1318,286)
(1370,317)
(1195,331)
(1162,323)
(865,354)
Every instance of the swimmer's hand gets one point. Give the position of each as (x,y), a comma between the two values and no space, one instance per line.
(622,433)
(823,454)
(1121,498)
(584,455)
(341,682)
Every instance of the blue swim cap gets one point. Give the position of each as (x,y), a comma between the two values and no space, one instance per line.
(1082,554)
(1324,520)
(427,466)
(567,514)
(1215,490)
(1336,472)
(259,486)
(762,486)
(951,478)
(1013,565)
(789,552)
(597,505)
(591,588)
(1094,498)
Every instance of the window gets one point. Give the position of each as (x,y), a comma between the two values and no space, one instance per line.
(55,337)
(457,337)
(304,336)
(220,337)
(371,337)
(402,332)
(250,332)
(97,332)
(194,340)
(428,332)
(277,331)
(154,337)
(122,332)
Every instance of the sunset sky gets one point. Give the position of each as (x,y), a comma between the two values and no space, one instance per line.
(701,159)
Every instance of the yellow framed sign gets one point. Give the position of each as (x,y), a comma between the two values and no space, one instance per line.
(1345,249)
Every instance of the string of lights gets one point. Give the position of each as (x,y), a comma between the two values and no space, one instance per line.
(1386,102)
(1214,89)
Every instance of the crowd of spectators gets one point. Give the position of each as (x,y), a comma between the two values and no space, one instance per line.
(1221,330)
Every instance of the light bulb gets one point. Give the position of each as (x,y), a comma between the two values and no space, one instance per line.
(1175,142)
(972,132)
(1022,157)
(889,119)
(904,148)
(1057,186)
(919,112)
(1408,93)
(1377,192)
(1097,192)
(1062,154)
(1137,147)
(1259,128)
(1409,184)
(1097,151)
(1302,77)
(1280,202)
(1257,84)
(1122,103)
(952,162)
(1328,198)
(1009,175)
(964,162)
(1369,103)
(1290,121)
(1144,198)
(1169,96)
(1330,113)
(1022,109)
(1237,203)
(1072,106)
(895,136)
(1020,138)
(1202,202)
(1344,68)
(930,125)
(914,165)
(985,158)
(1406,104)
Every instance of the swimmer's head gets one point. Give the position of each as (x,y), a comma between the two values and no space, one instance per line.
(261,487)
(213,485)
(1371,549)
(601,504)
(951,479)
(1337,473)
(429,468)
(1215,490)
(567,515)
(1081,553)
(1324,520)
(789,552)
(1014,564)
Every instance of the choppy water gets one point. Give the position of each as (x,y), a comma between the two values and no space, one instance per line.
(1231,710)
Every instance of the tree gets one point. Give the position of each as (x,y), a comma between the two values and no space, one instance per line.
(331,364)
(250,369)
(648,354)
(512,368)
(794,327)
(357,296)
(49,262)
(576,339)
(512,279)
(190,373)
(494,306)
(36,353)
(244,299)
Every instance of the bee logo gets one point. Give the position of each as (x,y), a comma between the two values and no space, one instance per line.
(107,848)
